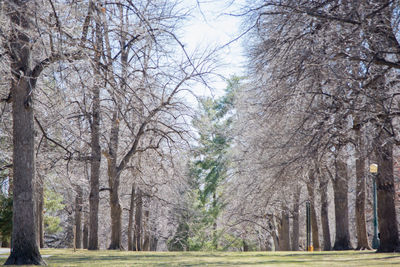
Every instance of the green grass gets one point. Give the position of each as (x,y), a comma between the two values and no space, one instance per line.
(66,257)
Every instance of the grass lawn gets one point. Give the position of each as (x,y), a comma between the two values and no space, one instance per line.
(66,257)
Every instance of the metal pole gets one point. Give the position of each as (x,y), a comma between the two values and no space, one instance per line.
(375,240)
(308,225)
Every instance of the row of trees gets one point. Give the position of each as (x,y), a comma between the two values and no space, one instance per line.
(322,103)
(98,115)
(96,88)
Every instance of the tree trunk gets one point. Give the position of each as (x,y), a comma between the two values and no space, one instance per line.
(361,225)
(340,189)
(295,221)
(153,243)
(383,147)
(130,222)
(284,230)
(214,233)
(96,153)
(323,190)
(245,245)
(274,232)
(138,220)
(269,243)
(314,221)
(85,234)
(114,172)
(24,248)
(146,232)
(115,220)
(113,181)
(39,212)
(387,220)
(78,217)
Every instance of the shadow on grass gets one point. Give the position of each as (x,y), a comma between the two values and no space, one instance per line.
(127,258)
(175,261)
(220,259)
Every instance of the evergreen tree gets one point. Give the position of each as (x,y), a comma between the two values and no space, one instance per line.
(207,170)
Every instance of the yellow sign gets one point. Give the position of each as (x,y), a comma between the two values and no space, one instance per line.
(373,168)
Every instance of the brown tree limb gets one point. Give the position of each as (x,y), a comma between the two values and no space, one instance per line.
(49,138)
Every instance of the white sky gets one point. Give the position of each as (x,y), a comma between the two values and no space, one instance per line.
(213,29)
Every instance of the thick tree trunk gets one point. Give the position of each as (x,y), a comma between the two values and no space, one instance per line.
(387,220)
(24,248)
(115,219)
(314,228)
(295,220)
(245,245)
(326,233)
(78,217)
(314,221)
(274,232)
(115,222)
(113,181)
(340,189)
(85,234)
(94,176)
(146,232)
(96,154)
(114,171)
(138,220)
(361,225)
(130,221)
(153,243)
(284,230)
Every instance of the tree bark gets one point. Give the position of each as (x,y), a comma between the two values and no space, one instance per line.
(383,146)
(274,232)
(153,243)
(245,245)
(130,222)
(96,151)
(284,230)
(146,232)
(314,221)
(40,210)
(214,233)
(114,181)
(361,225)
(387,220)
(138,220)
(340,189)
(85,234)
(78,217)
(114,171)
(24,248)
(323,190)
(115,220)
(295,220)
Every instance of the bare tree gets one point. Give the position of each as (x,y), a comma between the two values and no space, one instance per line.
(291,38)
